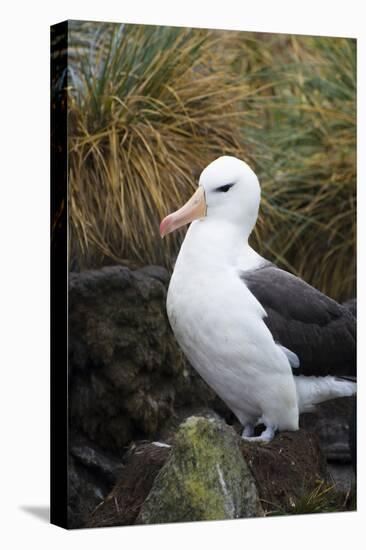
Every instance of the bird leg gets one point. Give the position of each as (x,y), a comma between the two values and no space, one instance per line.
(266,436)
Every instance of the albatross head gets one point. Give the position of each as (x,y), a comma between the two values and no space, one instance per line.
(228,190)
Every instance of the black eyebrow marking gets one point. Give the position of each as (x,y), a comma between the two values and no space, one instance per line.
(224,188)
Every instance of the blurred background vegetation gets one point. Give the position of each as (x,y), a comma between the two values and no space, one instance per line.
(150,107)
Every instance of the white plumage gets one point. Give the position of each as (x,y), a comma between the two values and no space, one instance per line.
(216,319)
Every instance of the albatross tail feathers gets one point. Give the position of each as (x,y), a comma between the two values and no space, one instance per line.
(312,390)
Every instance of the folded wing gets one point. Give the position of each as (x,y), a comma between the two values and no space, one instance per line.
(321,332)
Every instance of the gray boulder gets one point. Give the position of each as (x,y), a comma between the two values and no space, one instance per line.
(331,422)
(92,474)
(127,376)
(121,506)
(205,478)
(334,424)
(351,304)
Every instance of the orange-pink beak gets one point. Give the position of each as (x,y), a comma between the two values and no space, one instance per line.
(194,209)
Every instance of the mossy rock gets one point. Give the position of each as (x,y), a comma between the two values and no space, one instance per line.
(205,478)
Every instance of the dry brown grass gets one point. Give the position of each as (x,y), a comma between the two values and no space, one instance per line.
(307,164)
(139,140)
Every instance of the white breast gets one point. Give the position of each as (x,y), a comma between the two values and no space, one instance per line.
(219,325)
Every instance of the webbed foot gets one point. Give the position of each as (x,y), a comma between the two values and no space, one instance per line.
(248,431)
(266,436)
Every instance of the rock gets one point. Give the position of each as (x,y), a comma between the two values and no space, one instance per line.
(341,476)
(205,478)
(156,271)
(330,421)
(351,304)
(96,461)
(143,461)
(334,422)
(290,466)
(92,474)
(127,375)
(83,495)
(353,436)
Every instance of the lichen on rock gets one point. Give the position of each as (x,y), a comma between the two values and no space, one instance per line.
(205,478)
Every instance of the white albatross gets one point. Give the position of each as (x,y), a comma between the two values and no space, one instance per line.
(243,323)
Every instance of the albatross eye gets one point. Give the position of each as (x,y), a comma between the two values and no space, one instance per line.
(224,188)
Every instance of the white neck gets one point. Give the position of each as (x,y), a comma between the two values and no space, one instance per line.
(216,244)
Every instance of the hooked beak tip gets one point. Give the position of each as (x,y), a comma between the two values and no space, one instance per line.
(165,227)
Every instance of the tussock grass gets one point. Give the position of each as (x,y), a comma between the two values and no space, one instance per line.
(150,107)
(324,498)
(308,171)
(147,112)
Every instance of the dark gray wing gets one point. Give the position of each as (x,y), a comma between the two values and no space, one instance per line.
(320,331)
